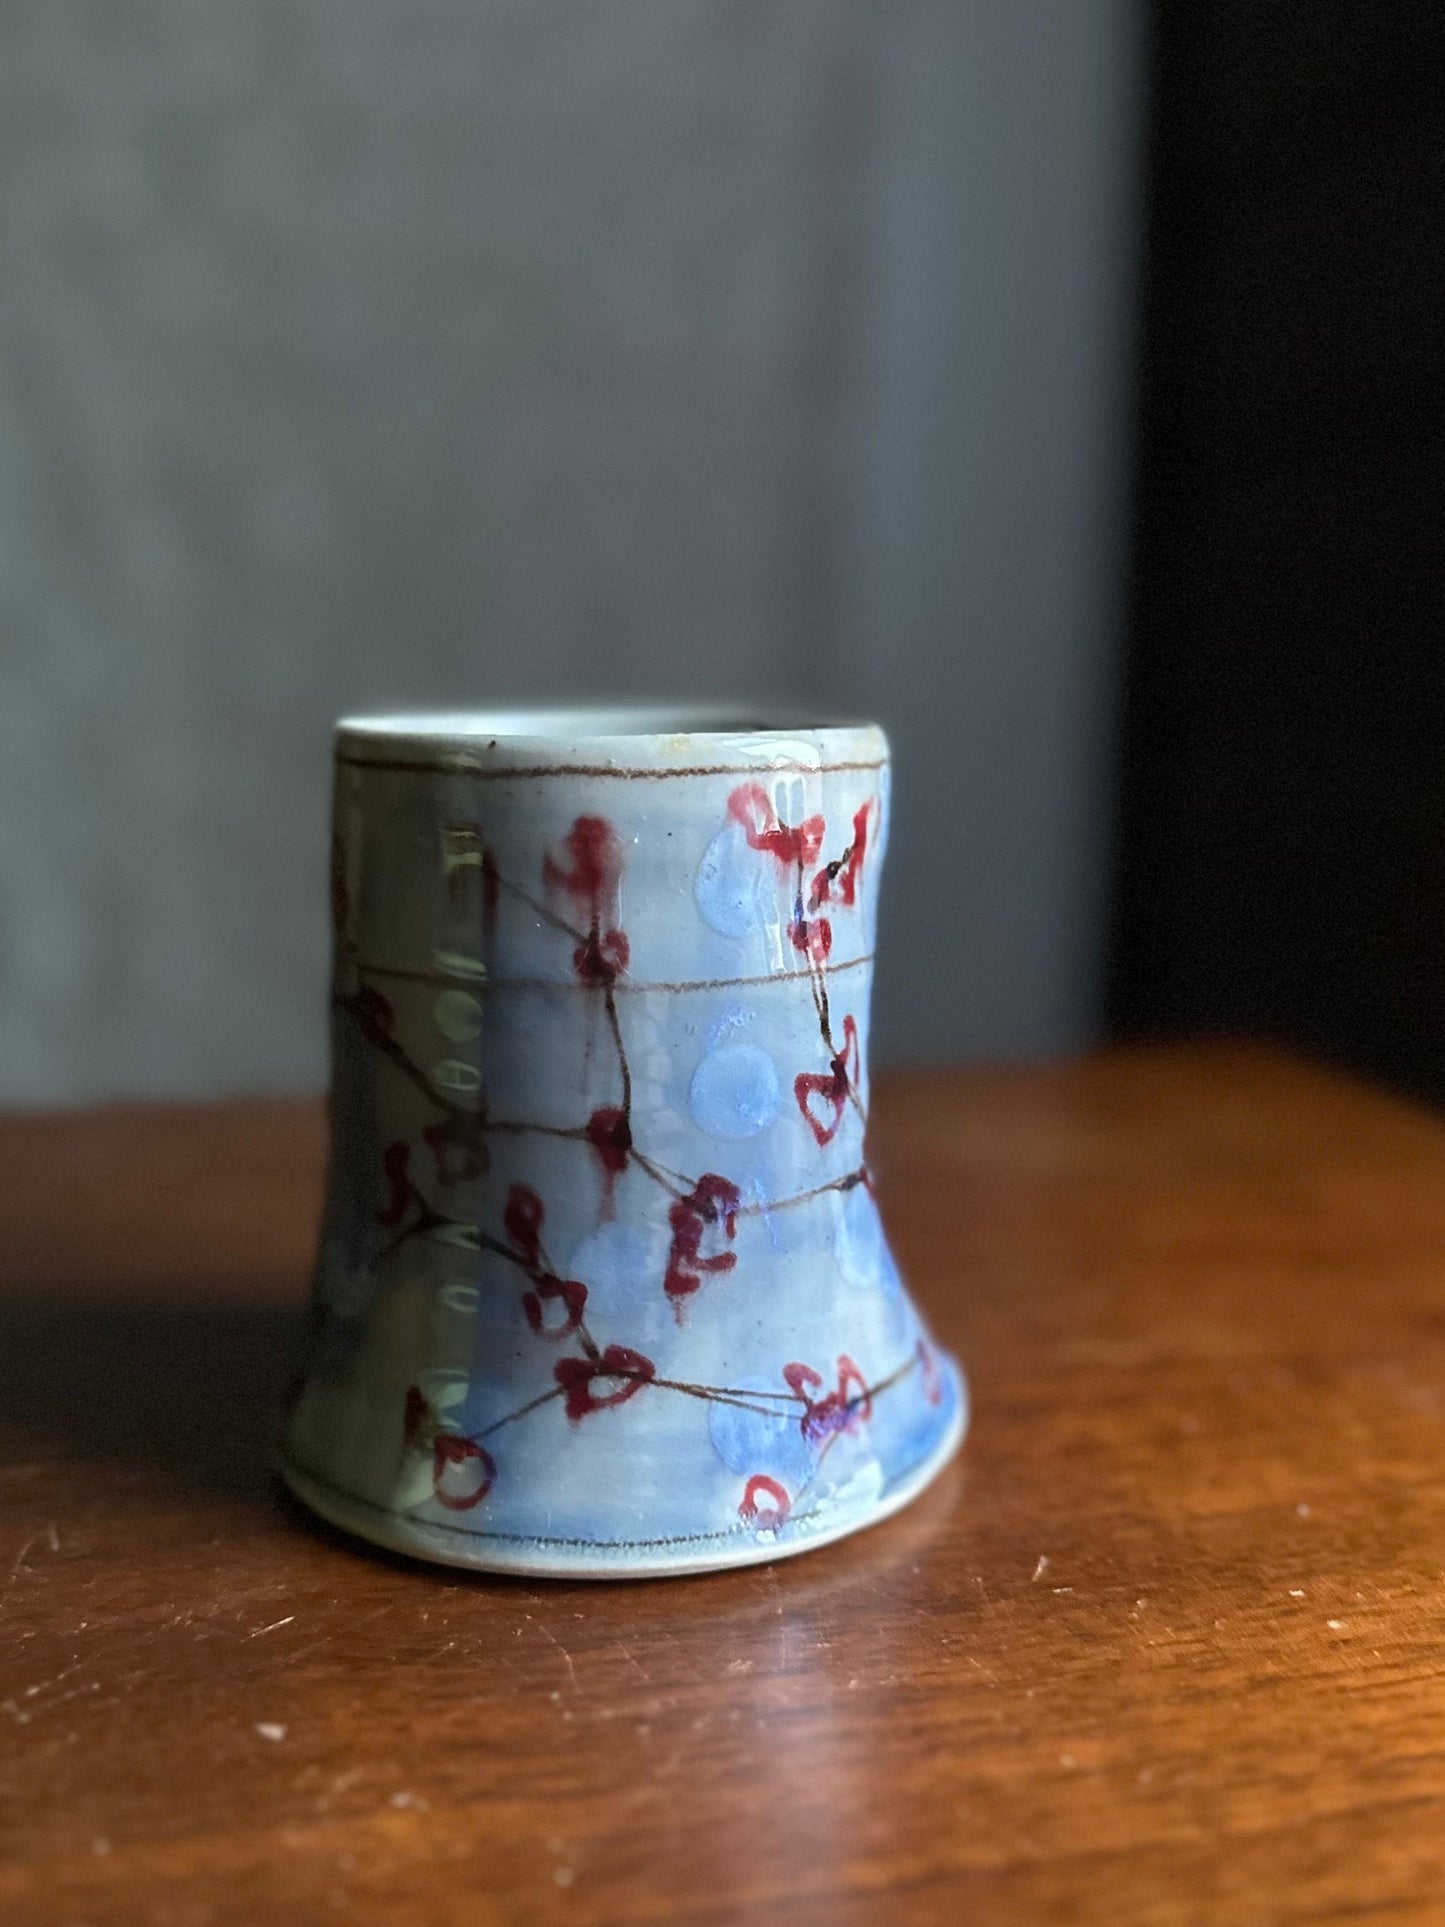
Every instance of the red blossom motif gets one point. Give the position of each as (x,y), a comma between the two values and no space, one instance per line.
(589,871)
(453,1454)
(545,1289)
(713,1200)
(463,1471)
(751,806)
(802,1381)
(610,1134)
(395,1160)
(813,936)
(823,1419)
(592,865)
(598,959)
(809,932)
(523,1219)
(833,1086)
(577,1376)
(932,1378)
(846,870)
(764,1518)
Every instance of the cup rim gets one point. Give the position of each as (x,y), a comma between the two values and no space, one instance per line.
(654,736)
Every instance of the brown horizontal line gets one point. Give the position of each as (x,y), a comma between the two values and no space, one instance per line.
(402,767)
(409,1513)
(479,985)
(410,1516)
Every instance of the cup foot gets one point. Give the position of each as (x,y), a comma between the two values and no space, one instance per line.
(627,1559)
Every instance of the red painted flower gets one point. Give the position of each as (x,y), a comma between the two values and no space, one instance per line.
(598,959)
(546,1290)
(523,1218)
(765,1518)
(713,1201)
(578,1376)
(588,868)
(845,870)
(752,807)
(590,864)
(842,1410)
(821,1095)
(932,1378)
(463,1471)
(610,1135)
(813,936)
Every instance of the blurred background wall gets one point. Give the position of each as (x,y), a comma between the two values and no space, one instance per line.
(379,351)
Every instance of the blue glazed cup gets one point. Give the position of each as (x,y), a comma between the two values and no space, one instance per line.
(603,1290)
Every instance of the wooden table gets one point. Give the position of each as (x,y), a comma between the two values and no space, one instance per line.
(1166,1645)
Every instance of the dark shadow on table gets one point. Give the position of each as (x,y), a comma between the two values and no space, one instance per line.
(185,1399)
(192,1391)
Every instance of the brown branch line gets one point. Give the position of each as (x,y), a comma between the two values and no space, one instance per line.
(740,1397)
(761,1402)
(626,982)
(677,1184)
(818,982)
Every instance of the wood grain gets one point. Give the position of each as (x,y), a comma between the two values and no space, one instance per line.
(1167,1645)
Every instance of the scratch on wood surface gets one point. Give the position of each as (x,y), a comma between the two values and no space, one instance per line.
(91,1686)
(342,1783)
(47,1531)
(547,1633)
(275,1626)
(21,1714)
(632,1660)
(66,1672)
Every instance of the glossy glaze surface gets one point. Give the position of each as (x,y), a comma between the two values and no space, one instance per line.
(603,1285)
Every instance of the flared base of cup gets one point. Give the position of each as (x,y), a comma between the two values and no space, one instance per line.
(834,1517)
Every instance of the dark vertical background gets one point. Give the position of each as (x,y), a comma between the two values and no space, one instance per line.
(1281,849)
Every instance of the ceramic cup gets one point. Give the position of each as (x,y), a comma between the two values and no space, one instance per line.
(603,1290)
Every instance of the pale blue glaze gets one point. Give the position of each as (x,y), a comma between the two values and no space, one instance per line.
(529,958)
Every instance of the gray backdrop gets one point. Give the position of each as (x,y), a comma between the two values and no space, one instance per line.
(360,351)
